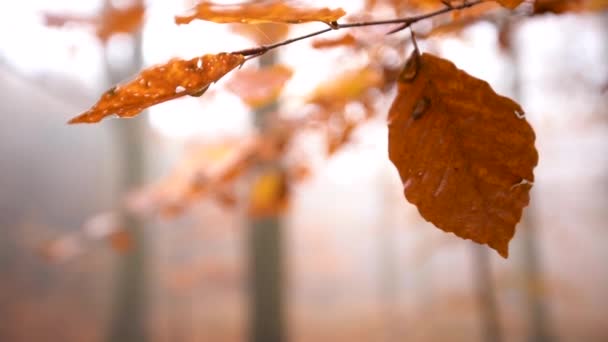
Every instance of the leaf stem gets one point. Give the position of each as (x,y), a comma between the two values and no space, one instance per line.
(405,23)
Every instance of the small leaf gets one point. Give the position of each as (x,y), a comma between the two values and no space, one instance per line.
(463,152)
(565,6)
(269,194)
(349,86)
(344,40)
(259,87)
(111,21)
(510,3)
(161,83)
(116,20)
(260,12)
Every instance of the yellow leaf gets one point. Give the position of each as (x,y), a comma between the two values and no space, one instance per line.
(349,86)
(268,194)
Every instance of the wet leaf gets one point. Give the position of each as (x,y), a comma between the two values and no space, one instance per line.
(464,153)
(259,87)
(161,83)
(260,12)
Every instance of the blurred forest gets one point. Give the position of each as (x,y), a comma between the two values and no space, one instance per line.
(139,230)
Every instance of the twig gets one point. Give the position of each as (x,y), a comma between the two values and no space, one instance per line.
(406,22)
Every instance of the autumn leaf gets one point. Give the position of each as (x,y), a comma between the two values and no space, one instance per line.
(344,40)
(259,87)
(349,86)
(260,12)
(116,20)
(464,153)
(206,171)
(462,19)
(110,22)
(564,6)
(510,3)
(269,194)
(161,83)
(400,6)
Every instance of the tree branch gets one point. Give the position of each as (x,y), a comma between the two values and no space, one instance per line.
(405,23)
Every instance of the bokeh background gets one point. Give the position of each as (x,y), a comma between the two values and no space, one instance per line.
(358,262)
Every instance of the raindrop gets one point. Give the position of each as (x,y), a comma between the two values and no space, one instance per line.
(421,106)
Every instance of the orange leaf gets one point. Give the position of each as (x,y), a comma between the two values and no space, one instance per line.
(162,83)
(345,40)
(259,87)
(260,12)
(464,153)
(510,3)
(110,22)
(115,20)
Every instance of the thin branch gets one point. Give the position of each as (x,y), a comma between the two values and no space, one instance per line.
(406,22)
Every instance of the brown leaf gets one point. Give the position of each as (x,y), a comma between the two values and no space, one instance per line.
(260,12)
(565,6)
(259,87)
(464,153)
(161,83)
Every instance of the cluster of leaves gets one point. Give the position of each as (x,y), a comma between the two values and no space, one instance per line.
(464,153)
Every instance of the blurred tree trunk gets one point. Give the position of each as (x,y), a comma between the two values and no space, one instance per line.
(388,265)
(266,256)
(486,296)
(127,319)
(529,265)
